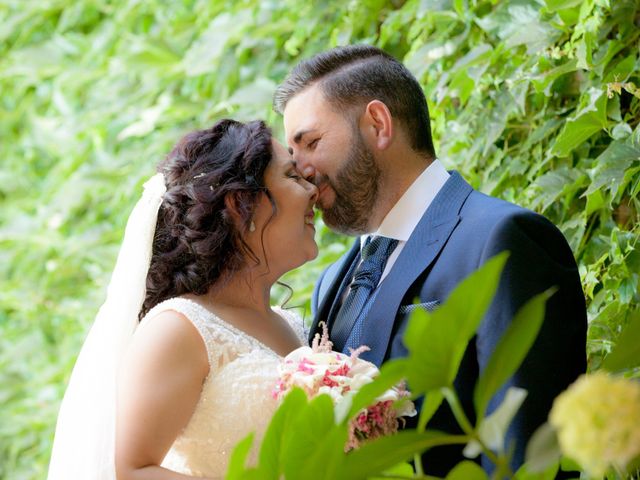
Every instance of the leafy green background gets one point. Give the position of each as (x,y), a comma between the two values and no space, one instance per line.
(535,102)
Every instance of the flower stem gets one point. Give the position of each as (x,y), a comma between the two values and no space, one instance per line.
(458,411)
(467,428)
(417,462)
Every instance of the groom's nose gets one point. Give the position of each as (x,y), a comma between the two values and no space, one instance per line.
(303,165)
(309,173)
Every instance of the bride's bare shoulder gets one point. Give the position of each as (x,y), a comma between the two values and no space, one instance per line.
(169,339)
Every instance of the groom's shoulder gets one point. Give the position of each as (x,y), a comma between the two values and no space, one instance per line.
(490,209)
(499,220)
(483,212)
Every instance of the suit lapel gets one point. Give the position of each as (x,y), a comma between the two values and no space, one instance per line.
(426,241)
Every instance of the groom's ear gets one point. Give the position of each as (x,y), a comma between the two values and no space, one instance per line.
(377,124)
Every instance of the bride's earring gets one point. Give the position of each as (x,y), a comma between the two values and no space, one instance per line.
(252,227)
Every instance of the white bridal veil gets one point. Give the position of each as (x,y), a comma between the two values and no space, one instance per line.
(84,444)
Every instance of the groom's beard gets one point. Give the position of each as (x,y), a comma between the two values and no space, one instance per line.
(356,188)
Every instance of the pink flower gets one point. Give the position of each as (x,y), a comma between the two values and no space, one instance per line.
(343,370)
(304,367)
(320,370)
(328,381)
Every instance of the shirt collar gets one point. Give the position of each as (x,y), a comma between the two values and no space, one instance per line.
(403,218)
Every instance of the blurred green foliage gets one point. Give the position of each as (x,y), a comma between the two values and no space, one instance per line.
(533,101)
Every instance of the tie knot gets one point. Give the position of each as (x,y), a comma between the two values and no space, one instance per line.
(380,247)
(374,255)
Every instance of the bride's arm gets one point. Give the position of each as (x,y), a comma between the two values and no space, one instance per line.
(159,386)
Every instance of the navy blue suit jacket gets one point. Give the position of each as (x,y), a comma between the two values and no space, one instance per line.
(461,230)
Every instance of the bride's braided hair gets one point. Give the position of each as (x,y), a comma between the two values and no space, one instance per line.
(198,240)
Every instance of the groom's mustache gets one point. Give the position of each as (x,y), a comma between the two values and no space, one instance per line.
(318,180)
(321,182)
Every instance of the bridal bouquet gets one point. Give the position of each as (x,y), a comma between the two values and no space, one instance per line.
(318,369)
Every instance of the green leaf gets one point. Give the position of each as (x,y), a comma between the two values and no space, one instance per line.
(621,131)
(519,23)
(383,453)
(588,120)
(569,465)
(543,81)
(584,51)
(556,184)
(460,7)
(203,55)
(302,435)
(391,374)
(280,425)
(511,350)
(595,201)
(525,27)
(611,166)
(543,451)
(554,5)
(467,470)
(493,428)
(626,353)
(437,341)
(432,402)
(622,70)
(324,457)
(550,473)
(238,458)
(312,438)
(402,470)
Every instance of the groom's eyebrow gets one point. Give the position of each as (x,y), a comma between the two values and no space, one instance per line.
(297,138)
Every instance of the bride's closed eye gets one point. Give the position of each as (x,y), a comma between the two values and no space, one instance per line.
(294,174)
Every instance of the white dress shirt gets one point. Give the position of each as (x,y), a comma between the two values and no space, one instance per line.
(405,215)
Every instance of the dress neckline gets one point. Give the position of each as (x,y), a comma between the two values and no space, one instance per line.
(220,321)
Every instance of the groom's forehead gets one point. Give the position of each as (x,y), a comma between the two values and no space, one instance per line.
(305,114)
(310,102)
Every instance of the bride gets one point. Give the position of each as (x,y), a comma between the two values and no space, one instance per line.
(169,396)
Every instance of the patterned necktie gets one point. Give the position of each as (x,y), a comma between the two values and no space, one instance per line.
(349,320)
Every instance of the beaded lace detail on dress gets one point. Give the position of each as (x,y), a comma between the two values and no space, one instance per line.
(236,396)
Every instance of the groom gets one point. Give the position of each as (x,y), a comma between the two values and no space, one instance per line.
(357,123)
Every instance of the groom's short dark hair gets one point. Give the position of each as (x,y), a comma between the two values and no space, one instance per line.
(356,74)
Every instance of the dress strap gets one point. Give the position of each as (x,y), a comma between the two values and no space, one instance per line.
(197,315)
(222,340)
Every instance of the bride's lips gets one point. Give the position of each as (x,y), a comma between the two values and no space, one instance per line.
(309,219)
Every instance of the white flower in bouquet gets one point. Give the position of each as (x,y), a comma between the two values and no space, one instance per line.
(318,369)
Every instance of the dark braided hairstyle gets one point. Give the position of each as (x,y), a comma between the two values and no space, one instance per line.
(198,239)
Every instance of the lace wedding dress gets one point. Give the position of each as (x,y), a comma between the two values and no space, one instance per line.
(236,396)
